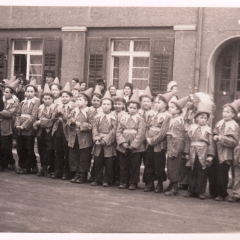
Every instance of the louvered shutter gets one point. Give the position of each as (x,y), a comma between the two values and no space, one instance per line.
(51,57)
(3,58)
(161,64)
(96,60)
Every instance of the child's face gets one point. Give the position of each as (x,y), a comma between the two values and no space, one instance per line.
(174,89)
(112,90)
(118,106)
(83,86)
(101,86)
(30,92)
(132,108)
(65,98)
(228,114)
(127,90)
(75,93)
(7,93)
(202,119)
(73,83)
(81,102)
(47,100)
(173,109)
(159,104)
(106,105)
(55,91)
(146,103)
(95,102)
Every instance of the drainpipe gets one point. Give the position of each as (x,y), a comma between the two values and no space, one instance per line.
(198,49)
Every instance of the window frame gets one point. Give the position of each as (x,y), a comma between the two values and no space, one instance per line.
(131,54)
(27,52)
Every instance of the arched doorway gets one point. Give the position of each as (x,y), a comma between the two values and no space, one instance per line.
(227,77)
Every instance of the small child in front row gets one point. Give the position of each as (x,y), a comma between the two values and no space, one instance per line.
(119,106)
(43,126)
(130,143)
(175,145)
(80,138)
(104,135)
(156,136)
(226,136)
(199,149)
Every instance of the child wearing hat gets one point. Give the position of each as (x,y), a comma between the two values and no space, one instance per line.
(104,135)
(102,86)
(43,126)
(60,133)
(156,136)
(172,87)
(25,118)
(7,115)
(130,136)
(119,106)
(75,91)
(80,138)
(199,149)
(175,145)
(226,135)
(56,88)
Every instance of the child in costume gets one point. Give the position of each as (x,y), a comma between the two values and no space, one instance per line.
(25,118)
(60,133)
(75,91)
(104,135)
(130,136)
(56,88)
(128,91)
(80,137)
(43,126)
(199,149)
(156,136)
(175,145)
(7,115)
(226,135)
(119,106)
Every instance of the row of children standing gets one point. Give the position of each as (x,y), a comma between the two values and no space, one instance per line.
(69,132)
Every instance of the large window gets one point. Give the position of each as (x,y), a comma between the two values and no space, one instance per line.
(28,58)
(130,62)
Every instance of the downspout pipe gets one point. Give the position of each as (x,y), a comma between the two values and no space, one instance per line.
(198,49)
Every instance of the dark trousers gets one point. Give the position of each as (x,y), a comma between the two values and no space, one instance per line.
(212,177)
(5,150)
(101,163)
(173,168)
(80,160)
(222,179)
(197,180)
(143,156)
(25,151)
(61,152)
(45,148)
(116,168)
(130,167)
(155,165)
(184,172)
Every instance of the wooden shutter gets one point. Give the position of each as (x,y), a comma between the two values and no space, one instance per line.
(51,57)
(3,58)
(96,59)
(161,64)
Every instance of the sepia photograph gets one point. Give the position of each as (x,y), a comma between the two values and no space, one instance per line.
(119,118)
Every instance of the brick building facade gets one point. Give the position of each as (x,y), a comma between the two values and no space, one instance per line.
(196,47)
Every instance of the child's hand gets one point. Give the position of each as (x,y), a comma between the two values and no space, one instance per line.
(19,127)
(125,145)
(187,156)
(149,141)
(78,124)
(216,138)
(131,148)
(98,142)
(102,143)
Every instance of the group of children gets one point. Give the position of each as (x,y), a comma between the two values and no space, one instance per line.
(120,130)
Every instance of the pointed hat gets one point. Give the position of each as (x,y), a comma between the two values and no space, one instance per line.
(13,86)
(97,90)
(181,102)
(87,93)
(120,94)
(67,89)
(205,107)
(77,87)
(11,80)
(33,84)
(47,90)
(56,82)
(107,95)
(235,106)
(147,93)
(167,96)
(135,97)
